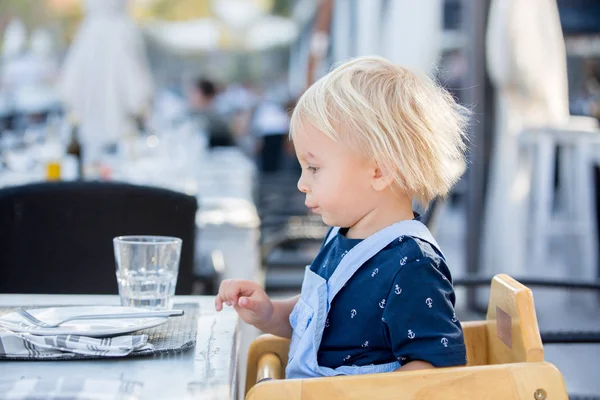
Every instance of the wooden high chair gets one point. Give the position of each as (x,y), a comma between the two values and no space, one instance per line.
(505,360)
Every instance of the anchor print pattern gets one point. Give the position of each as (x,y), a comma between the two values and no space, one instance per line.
(387,290)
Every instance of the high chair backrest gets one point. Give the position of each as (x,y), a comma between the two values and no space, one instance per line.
(510,332)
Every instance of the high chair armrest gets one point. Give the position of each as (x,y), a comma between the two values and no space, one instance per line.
(261,346)
(527,381)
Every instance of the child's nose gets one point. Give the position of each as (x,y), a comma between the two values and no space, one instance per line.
(302,186)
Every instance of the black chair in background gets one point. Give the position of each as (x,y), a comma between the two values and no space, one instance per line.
(57,237)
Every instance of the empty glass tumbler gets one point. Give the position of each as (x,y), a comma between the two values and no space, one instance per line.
(147,268)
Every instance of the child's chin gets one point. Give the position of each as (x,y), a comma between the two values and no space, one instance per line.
(328,221)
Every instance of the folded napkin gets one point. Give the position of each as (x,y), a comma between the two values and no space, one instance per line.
(19,345)
(69,388)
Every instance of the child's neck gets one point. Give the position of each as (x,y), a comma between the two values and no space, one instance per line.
(388,211)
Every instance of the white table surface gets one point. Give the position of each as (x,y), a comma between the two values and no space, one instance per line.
(206,372)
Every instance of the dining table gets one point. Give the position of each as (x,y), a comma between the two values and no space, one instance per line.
(207,370)
(223,180)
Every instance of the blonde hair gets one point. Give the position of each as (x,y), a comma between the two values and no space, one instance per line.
(410,126)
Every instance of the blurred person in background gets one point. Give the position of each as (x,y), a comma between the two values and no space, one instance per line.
(270,125)
(202,102)
(237,102)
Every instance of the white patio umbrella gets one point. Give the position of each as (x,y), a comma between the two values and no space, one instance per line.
(14,39)
(237,14)
(105,79)
(192,36)
(527,64)
(28,75)
(13,47)
(270,31)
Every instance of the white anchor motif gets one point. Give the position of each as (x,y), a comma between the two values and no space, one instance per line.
(400,239)
(454,319)
(382,303)
(365,344)
(411,334)
(347,357)
(375,272)
(353,313)
(327,323)
(429,302)
(397,289)
(444,342)
(403,261)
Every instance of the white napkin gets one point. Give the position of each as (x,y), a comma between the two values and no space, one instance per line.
(20,345)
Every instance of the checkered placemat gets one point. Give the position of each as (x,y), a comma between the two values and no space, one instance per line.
(178,334)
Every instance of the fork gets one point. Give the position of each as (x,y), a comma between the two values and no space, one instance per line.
(151,314)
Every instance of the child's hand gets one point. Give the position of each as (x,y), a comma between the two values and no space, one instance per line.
(248,299)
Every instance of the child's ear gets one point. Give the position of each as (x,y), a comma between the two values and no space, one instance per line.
(382,178)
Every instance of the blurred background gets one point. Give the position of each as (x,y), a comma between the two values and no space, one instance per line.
(193,96)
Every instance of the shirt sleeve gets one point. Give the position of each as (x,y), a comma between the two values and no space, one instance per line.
(419,320)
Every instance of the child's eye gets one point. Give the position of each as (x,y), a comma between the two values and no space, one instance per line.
(312,169)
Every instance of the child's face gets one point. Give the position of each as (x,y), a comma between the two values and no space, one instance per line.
(336,180)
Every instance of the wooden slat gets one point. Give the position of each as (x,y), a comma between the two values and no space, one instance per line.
(513,333)
(277,390)
(476,342)
(491,382)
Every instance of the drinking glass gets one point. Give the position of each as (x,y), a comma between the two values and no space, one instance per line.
(147,268)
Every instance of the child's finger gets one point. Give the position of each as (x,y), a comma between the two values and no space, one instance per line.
(234,291)
(247,303)
(221,296)
(218,302)
(230,292)
(225,293)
